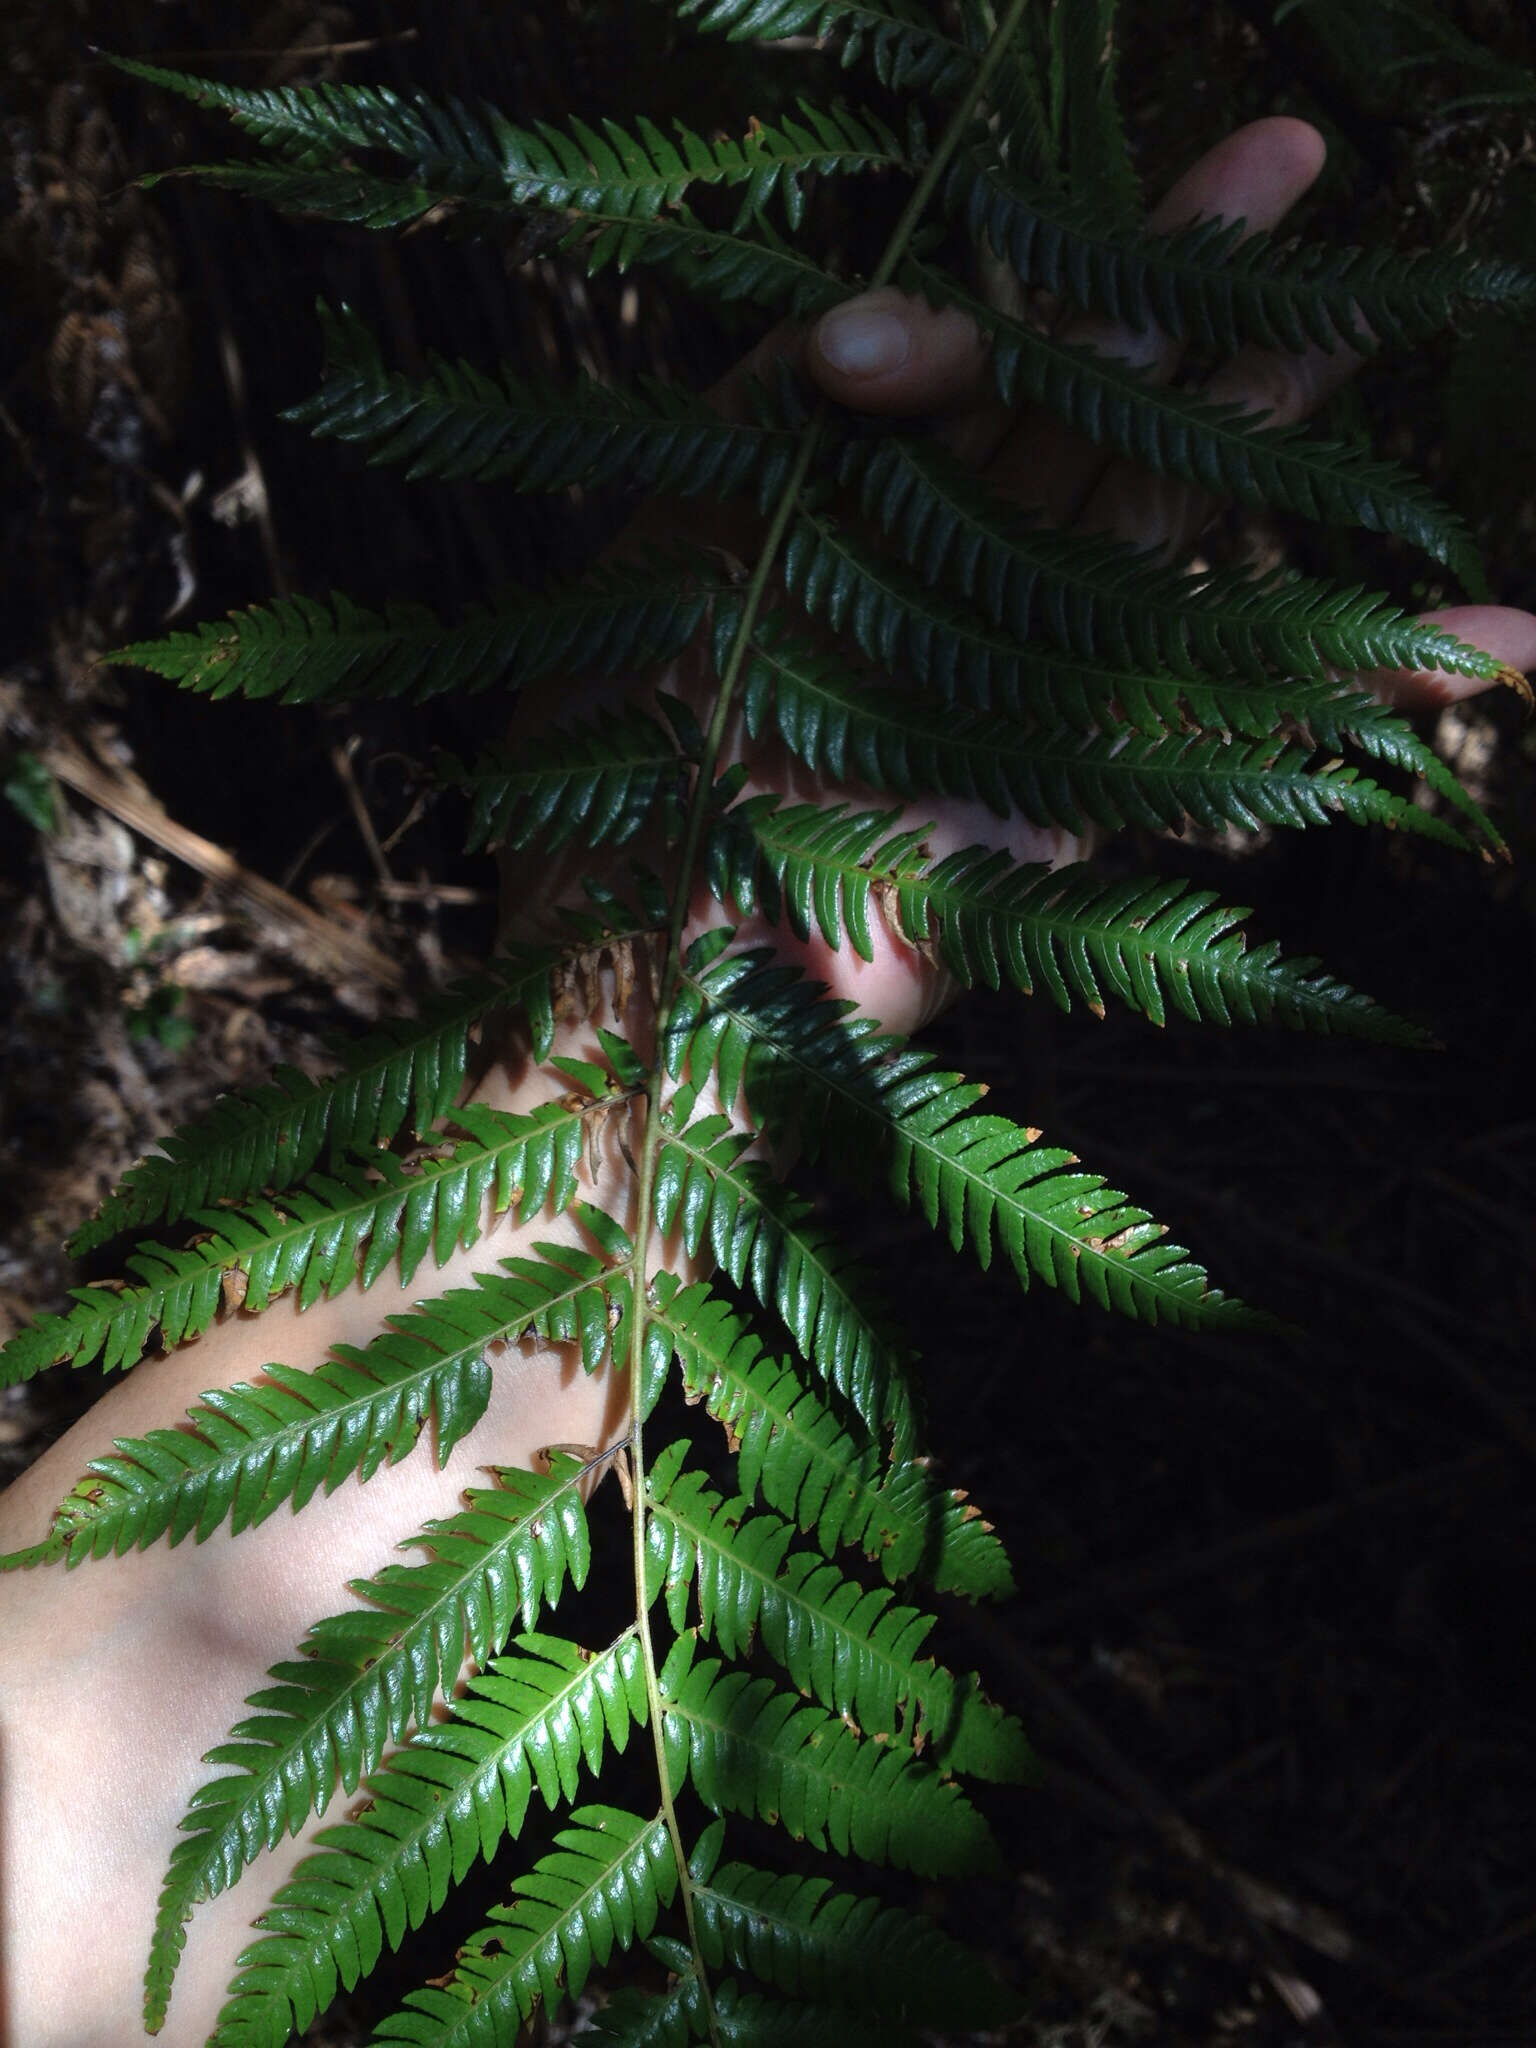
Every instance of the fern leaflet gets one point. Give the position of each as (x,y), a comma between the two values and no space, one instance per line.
(601,1888)
(252,1447)
(759,1752)
(368,1676)
(459,1789)
(838,1082)
(842,1644)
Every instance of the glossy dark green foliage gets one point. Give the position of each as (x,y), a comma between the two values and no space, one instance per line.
(921,643)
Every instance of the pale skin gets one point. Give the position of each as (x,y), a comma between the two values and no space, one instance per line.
(119,1675)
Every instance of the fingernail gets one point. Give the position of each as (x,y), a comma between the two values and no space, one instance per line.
(864,341)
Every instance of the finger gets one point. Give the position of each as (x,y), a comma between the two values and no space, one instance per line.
(1256,175)
(1508,635)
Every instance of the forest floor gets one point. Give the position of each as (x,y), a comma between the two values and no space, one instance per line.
(1268,1639)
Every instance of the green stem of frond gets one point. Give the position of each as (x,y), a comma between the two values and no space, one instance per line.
(693,835)
(636,1441)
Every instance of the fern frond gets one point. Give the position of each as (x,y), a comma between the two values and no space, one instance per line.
(601,1888)
(461,1788)
(333,1231)
(452,153)
(403,1073)
(1222,448)
(842,1644)
(846,1088)
(759,1752)
(367,1677)
(302,650)
(1214,283)
(1099,598)
(743,2019)
(901,42)
(844,726)
(599,780)
(793,1450)
(810,1941)
(251,1447)
(755,264)
(994,921)
(1072,757)
(763,1236)
(1093,152)
(459,423)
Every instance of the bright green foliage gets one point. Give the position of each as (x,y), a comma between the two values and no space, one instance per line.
(1055,766)
(601,1888)
(764,1237)
(253,1447)
(405,1075)
(921,636)
(369,1676)
(838,1082)
(437,1807)
(792,1448)
(841,1644)
(301,651)
(993,921)
(752,1750)
(1098,598)
(336,1230)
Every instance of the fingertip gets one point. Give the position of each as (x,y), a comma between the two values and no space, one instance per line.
(1255,175)
(886,352)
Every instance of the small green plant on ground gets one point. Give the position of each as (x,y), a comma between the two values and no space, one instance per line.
(1065,681)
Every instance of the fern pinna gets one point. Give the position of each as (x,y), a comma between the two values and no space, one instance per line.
(904,631)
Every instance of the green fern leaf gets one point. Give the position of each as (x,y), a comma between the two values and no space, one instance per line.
(763,1236)
(1092,149)
(846,726)
(759,1752)
(1098,598)
(840,1643)
(601,1888)
(743,2019)
(844,1087)
(368,1676)
(900,41)
(792,1448)
(461,424)
(600,780)
(302,651)
(459,1790)
(993,920)
(1219,447)
(754,264)
(1214,283)
(401,1074)
(452,153)
(333,1231)
(1060,773)
(809,1941)
(252,1447)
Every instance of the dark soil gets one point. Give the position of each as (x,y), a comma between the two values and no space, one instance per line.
(1273,1595)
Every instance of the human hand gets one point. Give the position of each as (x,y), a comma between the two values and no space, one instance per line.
(121,1675)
